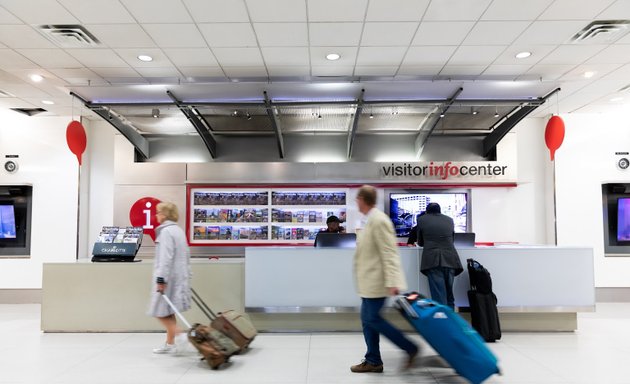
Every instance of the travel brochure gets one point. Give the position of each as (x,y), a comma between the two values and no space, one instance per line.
(316,217)
(231,198)
(308,198)
(246,215)
(293,233)
(228,232)
(110,234)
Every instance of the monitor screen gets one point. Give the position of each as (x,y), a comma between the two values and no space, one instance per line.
(404,207)
(623,219)
(7,222)
(335,240)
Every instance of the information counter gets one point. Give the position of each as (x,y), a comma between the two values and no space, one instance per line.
(309,289)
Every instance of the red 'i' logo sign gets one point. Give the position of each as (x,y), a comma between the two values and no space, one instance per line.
(142,214)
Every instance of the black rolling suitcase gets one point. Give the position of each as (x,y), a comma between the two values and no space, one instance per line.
(483,302)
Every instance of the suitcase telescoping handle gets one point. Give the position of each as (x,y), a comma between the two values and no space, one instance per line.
(202,305)
(177,312)
(405,306)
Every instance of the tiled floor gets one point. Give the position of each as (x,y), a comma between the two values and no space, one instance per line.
(599,353)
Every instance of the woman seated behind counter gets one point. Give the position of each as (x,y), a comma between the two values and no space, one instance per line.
(333,225)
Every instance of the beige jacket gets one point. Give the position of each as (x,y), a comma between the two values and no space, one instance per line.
(376,259)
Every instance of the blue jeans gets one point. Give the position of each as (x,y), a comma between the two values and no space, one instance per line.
(373,325)
(441,285)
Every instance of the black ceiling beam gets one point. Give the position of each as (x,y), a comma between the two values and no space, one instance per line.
(140,143)
(202,129)
(431,122)
(509,121)
(275,124)
(355,124)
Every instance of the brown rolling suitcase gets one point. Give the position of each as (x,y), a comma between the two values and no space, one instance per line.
(232,323)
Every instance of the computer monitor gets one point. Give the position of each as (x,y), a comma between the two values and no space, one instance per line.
(335,240)
(464,239)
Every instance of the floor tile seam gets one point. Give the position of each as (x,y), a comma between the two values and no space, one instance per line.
(308,357)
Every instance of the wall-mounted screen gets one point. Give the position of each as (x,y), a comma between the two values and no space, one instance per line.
(623,219)
(404,207)
(7,222)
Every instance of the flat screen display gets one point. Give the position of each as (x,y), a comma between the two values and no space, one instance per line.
(7,222)
(404,207)
(623,219)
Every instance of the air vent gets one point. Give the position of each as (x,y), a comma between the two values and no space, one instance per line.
(29,111)
(601,32)
(69,36)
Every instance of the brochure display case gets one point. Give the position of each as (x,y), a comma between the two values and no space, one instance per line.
(261,215)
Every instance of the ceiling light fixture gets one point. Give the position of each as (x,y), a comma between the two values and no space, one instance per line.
(248,116)
(523,55)
(589,74)
(474,111)
(48,102)
(155,113)
(145,58)
(442,114)
(36,78)
(496,112)
(333,56)
(371,115)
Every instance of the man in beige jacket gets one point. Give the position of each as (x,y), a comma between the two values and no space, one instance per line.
(378,274)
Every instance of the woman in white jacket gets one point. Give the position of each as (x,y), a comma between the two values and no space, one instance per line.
(171,273)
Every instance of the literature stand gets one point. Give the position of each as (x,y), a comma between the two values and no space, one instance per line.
(117,244)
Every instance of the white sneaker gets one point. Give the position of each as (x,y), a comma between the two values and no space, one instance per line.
(166,348)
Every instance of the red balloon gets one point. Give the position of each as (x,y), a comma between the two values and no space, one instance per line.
(554,134)
(142,214)
(75,136)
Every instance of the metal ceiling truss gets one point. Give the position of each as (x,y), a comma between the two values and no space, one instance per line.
(355,123)
(509,121)
(140,143)
(275,124)
(429,124)
(199,123)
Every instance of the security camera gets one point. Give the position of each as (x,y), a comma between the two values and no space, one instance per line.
(11,166)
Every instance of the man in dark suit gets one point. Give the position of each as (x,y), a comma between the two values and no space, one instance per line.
(440,261)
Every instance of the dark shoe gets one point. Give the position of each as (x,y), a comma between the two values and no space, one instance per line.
(410,360)
(366,367)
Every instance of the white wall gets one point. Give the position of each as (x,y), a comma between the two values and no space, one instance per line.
(584,162)
(47,164)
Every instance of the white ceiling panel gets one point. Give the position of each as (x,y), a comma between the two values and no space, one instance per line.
(14,102)
(508,57)
(548,72)
(98,12)
(614,54)
(191,57)
(224,11)
(375,70)
(282,56)
(515,10)
(335,34)
(130,55)
(388,34)
(10,59)
(574,9)
(159,72)
(462,70)
(245,71)
(23,36)
(44,12)
(50,58)
(97,57)
(599,70)
(396,10)
(116,72)
(450,10)
(507,70)
(380,55)
(620,9)
(175,35)
(442,33)
(25,91)
(419,70)
(428,55)
(342,70)
(276,10)
(348,55)
(201,71)
(75,73)
(303,70)
(485,32)
(334,10)
(238,57)
(622,74)
(550,32)
(229,34)
(8,78)
(281,34)
(476,55)
(7,18)
(571,54)
(157,11)
(121,35)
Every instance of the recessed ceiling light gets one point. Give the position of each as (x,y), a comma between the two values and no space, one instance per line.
(36,78)
(523,55)
(589,74)
(146,58)
(615,99)
(333,56)
(48,102)
(474,112)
